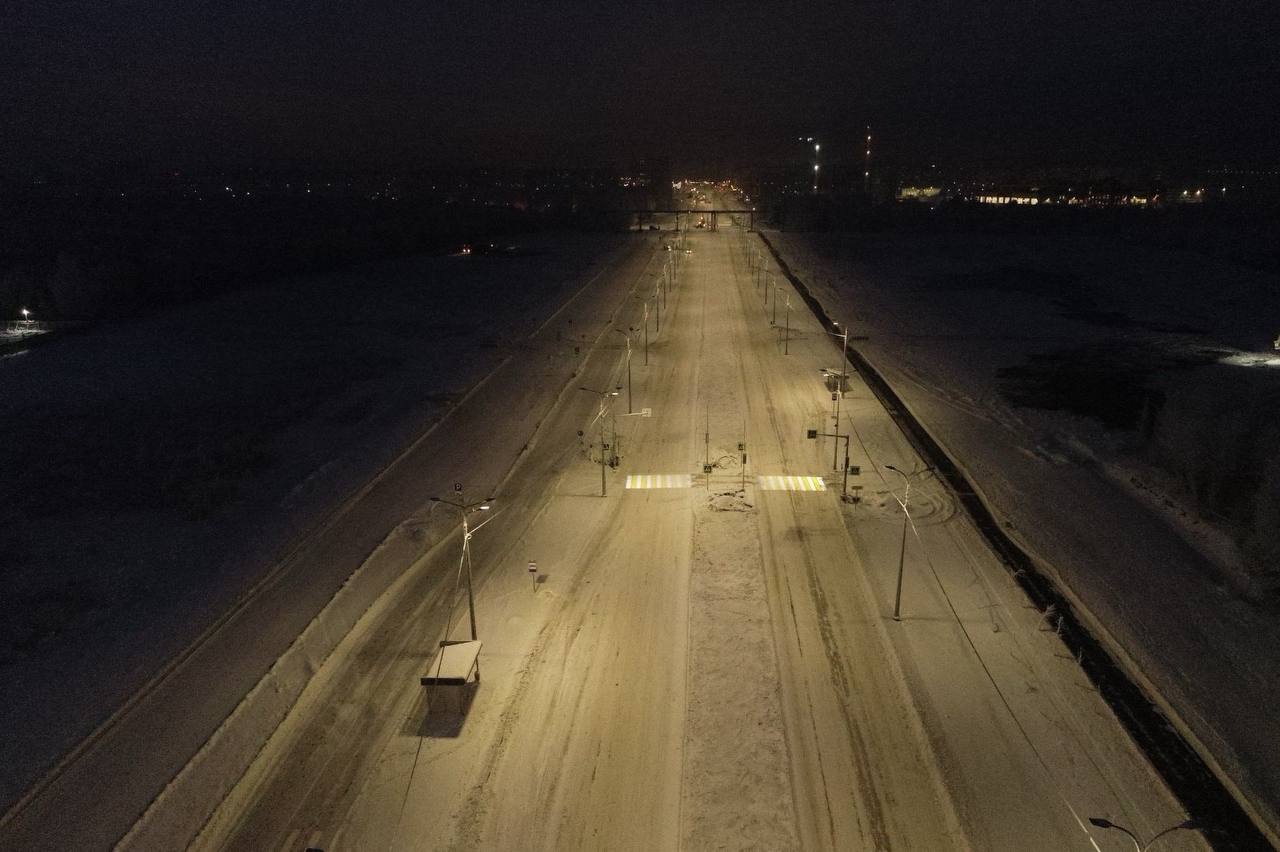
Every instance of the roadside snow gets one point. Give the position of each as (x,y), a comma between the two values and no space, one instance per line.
(1063,372)
(154,469)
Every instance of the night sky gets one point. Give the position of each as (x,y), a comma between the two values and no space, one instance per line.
(88,85)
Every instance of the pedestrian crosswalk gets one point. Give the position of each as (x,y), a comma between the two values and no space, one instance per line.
(659,480)
(639,481)
(791,483)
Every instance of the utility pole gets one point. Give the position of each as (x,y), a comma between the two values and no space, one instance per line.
(627,335)
(786,338)
(604,395)
(706,464)
(742,448)
(657,314)
(464,508)
(844,348)
(646,333)
(906,520)
(1138,845)
(844,487)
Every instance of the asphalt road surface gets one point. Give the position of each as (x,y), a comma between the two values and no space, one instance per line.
(700,664)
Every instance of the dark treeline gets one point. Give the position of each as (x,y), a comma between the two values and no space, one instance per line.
(1238,233)
(98,257)
(81,253)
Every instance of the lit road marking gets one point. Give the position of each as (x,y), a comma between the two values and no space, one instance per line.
(791,483)
(660,480)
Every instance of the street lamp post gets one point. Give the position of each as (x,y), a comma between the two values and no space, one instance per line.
(906,520)
(646,333)
(604,395)
(657,303)
(1185,825)
(839,394)
(465,508)
(786,337)
(844,486)
(627,335)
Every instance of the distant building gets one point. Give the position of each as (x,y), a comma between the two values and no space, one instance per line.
(1064,196)
(919,193)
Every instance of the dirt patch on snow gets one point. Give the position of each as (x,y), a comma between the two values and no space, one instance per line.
(729,501)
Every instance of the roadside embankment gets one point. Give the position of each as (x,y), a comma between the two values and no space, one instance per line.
(1209,795)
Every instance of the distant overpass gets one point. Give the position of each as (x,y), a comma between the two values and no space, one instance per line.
(643,216)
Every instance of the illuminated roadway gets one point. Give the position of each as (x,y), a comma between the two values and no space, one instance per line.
(701,667)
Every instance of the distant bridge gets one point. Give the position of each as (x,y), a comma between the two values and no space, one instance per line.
(642,216)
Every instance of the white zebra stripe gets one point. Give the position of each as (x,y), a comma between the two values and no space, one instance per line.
(791,483)
(639,481)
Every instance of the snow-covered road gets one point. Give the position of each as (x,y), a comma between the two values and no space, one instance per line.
(704,667)
(1146,571)
(165,673)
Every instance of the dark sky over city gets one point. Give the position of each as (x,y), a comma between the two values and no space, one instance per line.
(91,84)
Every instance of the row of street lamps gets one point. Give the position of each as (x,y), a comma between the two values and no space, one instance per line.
(605,397)
(756,262)
(840,378)
(761,274)
(465,509)
(661,293)
(661,290)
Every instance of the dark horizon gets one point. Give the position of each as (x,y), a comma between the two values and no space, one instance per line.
(91,86)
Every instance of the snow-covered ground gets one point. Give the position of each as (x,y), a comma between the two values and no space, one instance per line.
(1117,407)
(703,667)
(700,667)
(153,470)
(15,332)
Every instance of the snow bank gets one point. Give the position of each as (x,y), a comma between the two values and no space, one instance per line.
(179,812)
(1077,377)
(156,469)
